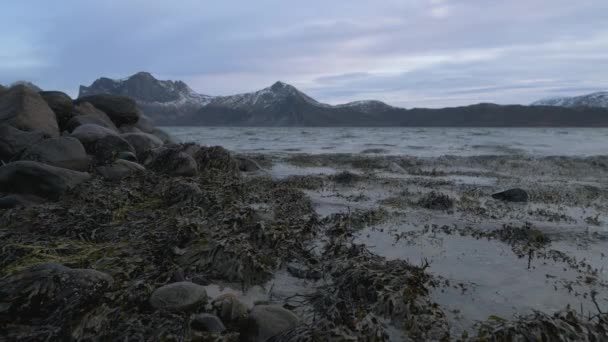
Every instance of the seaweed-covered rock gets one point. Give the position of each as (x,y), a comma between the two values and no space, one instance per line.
(207,322)
(26,110)
(122,110)
(14,141)
(248,164)
(271,320)
(230,309)
(29,177)
(180,191)
(51,291)
(436,201)
(61,104)
(172,161)
(178,296)
(216,158)
(512,195)
(107,149)
(66,152)
(142,142)
(119,169)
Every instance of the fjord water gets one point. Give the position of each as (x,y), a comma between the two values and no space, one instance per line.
(423,142)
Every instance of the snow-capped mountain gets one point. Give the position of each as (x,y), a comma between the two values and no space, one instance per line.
(163,101)
(599,99)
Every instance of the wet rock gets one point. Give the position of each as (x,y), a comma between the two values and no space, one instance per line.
(87,113)
(216,158)
(14,141)
(142,142)
(230,309)
(29,177)
(50,289)
(106,150)
(126,155)
(119,169)
(145,125)
(122,110)
(129,129)
(436,201)
(171,161)
(178,296)
(65,152)
(512,195)
(271,320)
(302,272)
(247,164)
(26,110)
(208,322)
(62,106)
(88,134)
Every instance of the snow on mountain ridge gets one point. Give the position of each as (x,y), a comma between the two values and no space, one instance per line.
(597,99)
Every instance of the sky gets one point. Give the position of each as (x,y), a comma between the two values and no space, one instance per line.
(408,53)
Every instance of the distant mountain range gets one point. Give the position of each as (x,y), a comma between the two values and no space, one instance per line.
(599,99)
(174,103)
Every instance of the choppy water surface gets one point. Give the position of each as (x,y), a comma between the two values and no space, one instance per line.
(427,142)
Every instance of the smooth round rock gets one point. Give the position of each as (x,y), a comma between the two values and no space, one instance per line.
(207,322)
(512,195)
(271,320)
(178,296)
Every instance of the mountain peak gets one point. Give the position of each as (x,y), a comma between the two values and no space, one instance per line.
(143,75)
(282,86)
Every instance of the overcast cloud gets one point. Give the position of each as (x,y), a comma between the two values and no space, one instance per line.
(416,53)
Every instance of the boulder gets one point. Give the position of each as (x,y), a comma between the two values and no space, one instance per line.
(14,141)
(207,322)
(29,177)
(107,149)
(61,104)
(271,320)
(25,109)
(49,289)
(171,161)
(512,195)
(129,129)
(126,155)
(89,134)
(162,135)
(81,120)
(247,164)
(216,158)
(65,152)
(145,125)
(178,296)
(119,169)
(142,142)
(181,192)
(122,110)
(87,112)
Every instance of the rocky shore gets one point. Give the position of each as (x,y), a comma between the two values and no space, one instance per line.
(109,230)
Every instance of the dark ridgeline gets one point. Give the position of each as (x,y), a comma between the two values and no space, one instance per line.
(174,103)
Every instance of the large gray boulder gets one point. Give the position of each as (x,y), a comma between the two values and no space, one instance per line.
(207,322)
(142,142)
(29,177)
(17,200)
(14,141)
(164,136)
(171,161)
(26,110)
(247,164)
(119,169)
(85,113)
(271,320)
(61,104)
(89,134)
(65,152)
(179,296)
(52,291)
(122,110)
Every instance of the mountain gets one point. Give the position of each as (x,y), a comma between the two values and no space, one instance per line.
(173,103)
(599,99)
(165,101)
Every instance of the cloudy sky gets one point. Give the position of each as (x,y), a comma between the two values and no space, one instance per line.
(411,53)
